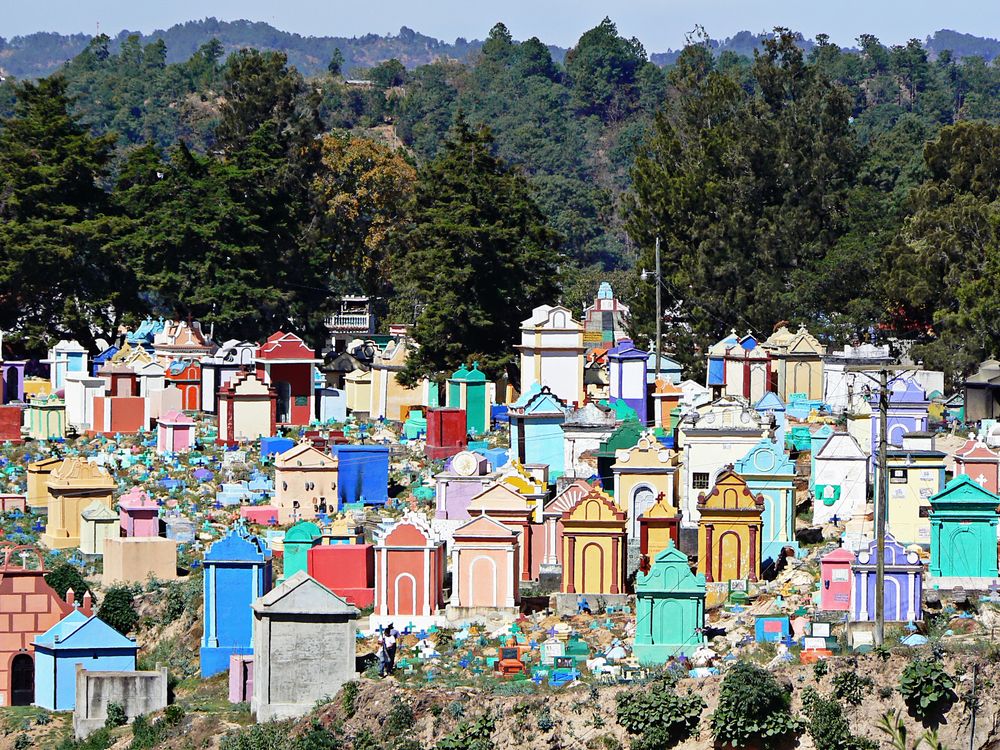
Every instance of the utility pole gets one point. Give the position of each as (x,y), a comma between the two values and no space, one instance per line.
(659,311)
(882,478)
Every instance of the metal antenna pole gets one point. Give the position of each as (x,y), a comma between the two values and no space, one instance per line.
(659,310)
(881,503)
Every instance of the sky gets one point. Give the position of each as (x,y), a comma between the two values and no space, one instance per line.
(659,24)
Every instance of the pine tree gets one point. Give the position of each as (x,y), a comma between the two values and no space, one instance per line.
(479,258)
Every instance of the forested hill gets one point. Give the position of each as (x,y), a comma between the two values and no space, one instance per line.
(40,54)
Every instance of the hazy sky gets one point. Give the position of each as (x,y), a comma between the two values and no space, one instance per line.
(659,24)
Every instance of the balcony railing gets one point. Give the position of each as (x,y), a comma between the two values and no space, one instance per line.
(350,322)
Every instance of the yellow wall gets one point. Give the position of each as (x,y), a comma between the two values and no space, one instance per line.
(730,561)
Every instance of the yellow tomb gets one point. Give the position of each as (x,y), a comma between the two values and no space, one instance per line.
(72,487)
(594,545)
(729,530)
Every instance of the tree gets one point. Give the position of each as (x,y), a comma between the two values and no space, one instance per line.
(55,277)
(479,257)
(753,709)
(388,74)
(603,67)
(336,63)
(362,189)
(118,609)
(64,577)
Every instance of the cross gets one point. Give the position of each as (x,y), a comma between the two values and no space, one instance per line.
(981,480)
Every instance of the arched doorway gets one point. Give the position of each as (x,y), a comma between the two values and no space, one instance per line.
(22,680)
(11,385)
(284,401)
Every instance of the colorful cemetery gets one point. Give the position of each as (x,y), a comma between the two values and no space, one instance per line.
(916,473)
(770,474)
(903,589)
(627,366)
(72,486)
(593,537)
(907,412)
(305,484)
(484,570)
(670,609)
(45,418)
(174,432)
(299,539)
(390,399)
(362,474)
(536,435)
(502,503)
(552,353)
(447,432)
(303,647)
(219,368)
(659,527)
(98,523)
(975,459)
(409,574)
(30,608)
(729,531)
(839,479)
(237,571)
(552,526)
(347,569)
(963,539)
(836,580)
(77,640)
(37,480)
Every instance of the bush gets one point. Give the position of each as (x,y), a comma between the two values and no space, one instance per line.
(270,736)
(753,708)
(828,727)
(470,735)
(317,737)
(348,695)
(64,577)
(116,716)
(22,742)
(658,717)
(820,669)
(927,689)
(118,609)
(850,687)
(399,719)
(545,723)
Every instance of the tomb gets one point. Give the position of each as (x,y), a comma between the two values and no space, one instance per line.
(469,391)
(552,526)
(72,486)
(627,366)
(740,367)
(119,380)
(97,523)
(287,364)
(606,320)
(37,479)
(536,435)
(976,460)
(219,368)
(363,474)
(185,375)
(139,514)
(552,353)
(390,398)
(670,609)
(964,531)
(797,362)
(666,398)
(641,474)
(174,433)
(446,432)
(770,474)
(584,430)
(237,571)
(11,418)
(136,693)
(77,639)
(839,478)
(659,526)
(30,607)
(45,418)
(181,340)
(137,559)
(903,589)
(465,476)
(594,545)
(504,504)
(348,570)
(907,412)
(916,473)
(80,392)
(12,381)
(305,484)
(64,358)
(836,582)
(331,405)
(299,539)
(729,530)
(124,415)
(773,412)
(409,573)
(288,678)
(247,409)
(484,568)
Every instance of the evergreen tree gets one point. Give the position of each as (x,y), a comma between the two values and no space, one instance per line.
(56,279)
(479,257)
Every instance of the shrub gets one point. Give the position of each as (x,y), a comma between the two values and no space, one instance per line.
(22,742)
(116,716)
(348,695)
(820,669)
(544,722)
(470,735)
(118,609)
(828,727)
(850,687)
(926,688)
(64,577)
(317,737)
(270,736)
(398,720)
(658,717)
(753,708)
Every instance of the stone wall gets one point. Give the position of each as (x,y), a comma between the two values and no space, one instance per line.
(136,692)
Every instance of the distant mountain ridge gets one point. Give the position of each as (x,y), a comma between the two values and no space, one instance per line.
(42,53)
